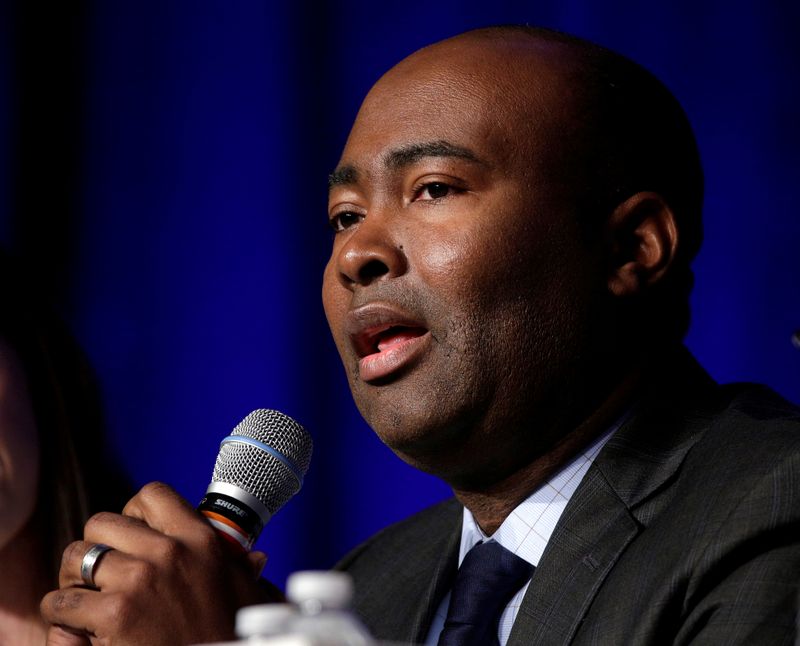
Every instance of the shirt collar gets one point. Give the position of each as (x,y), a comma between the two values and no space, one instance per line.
(528,527)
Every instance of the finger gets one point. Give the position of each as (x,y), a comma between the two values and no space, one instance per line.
(74,610)
(257,561)
(58,636)
(163,509)
(113,569)
(123,533)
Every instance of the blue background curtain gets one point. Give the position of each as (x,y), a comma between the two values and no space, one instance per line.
(164,171)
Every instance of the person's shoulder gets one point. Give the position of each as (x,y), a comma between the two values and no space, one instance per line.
(685,409)
(755,435)
(399,572)
(758,419)
(760,404)
(697,447)
(438,521)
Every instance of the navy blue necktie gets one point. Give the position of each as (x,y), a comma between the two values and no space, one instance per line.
(487,579)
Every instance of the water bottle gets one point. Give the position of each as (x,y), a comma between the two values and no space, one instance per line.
(266,625)
(264,620)
(323,601)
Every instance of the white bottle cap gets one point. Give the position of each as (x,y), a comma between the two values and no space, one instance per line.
(314,591)
(264,619)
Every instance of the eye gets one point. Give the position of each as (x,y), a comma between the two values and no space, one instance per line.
(343,220)
(433,191)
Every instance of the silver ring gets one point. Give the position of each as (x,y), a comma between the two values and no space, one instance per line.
(89,562)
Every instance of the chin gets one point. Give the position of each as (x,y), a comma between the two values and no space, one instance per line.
(411,442)
(434,445)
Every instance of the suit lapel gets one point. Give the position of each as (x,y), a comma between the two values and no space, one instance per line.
(435,578)
(589,538)
(614,502)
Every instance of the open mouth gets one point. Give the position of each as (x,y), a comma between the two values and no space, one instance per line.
(386,339)
(391,337)
(389,350)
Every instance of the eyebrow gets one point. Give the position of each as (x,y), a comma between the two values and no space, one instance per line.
(414,152)
(405,156)
(343,175)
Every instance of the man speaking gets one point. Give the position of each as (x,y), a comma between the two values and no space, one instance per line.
(515,213)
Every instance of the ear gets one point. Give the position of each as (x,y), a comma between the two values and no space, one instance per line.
(643,240)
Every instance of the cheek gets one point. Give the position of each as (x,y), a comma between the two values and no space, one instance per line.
(456,261)
(507,279)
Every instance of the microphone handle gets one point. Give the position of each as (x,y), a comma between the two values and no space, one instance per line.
(233,519)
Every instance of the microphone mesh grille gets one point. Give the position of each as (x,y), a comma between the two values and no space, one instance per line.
(257,472)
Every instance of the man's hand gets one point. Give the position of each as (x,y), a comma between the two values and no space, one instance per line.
(170,579)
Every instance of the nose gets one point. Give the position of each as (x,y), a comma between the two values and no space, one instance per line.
(370,254)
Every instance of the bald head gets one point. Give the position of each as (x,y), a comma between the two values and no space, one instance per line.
(527,83)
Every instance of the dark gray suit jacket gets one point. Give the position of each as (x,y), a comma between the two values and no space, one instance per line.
(686,529)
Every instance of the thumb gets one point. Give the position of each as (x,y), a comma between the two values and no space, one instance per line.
(257,561)
(58,636)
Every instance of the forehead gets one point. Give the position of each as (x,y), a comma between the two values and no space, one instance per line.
(501,100)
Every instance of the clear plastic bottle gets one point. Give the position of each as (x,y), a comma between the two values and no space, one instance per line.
(266,624)
(323,601)
(264,620)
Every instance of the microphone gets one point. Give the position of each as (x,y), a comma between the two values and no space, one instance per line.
(260,465)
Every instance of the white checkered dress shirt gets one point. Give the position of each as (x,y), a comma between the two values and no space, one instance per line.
(525,531)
